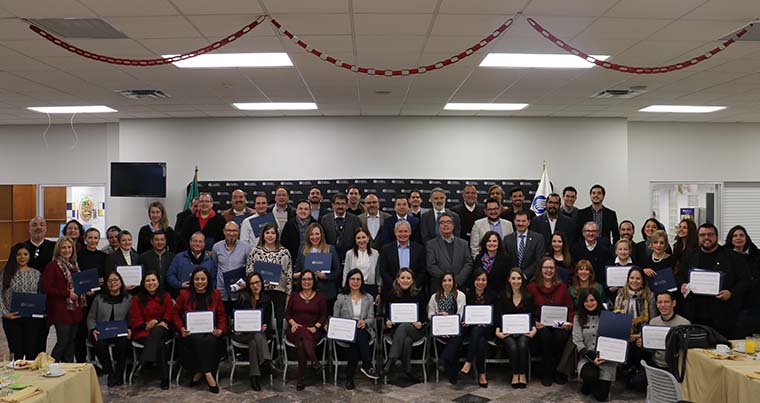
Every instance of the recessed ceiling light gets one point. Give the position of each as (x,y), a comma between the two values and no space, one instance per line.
(275,106)
(72,109)
(454,106)
(226,60)
(541,61)
(681,109)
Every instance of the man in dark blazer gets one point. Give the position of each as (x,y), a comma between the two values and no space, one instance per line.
(469,211)
(158,258)
(291,233)
(181,216)
(591,248)
(608,231)
(552,221)
(205,220)
(389,263)
(447,253)
(372,221)
(429,220)
(317,209)
(533,241)
(281,208)
(339,226)
(401,207)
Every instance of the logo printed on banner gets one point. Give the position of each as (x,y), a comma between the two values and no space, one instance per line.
(416,182)
(304,182)
(378,181)
(398,181)
(370,190)
(323,182)
(267,184)
(341,182)
(286,183)
(452,182)
(360,181)
(431,182)
(231,184)
(389,191)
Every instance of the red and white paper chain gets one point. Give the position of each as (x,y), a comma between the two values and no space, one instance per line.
(395,72)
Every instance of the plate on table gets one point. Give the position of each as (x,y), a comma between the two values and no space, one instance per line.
(20,364)
(49,375)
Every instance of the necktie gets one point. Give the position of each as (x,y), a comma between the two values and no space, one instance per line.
(339,230)
(437,216)
(521,250)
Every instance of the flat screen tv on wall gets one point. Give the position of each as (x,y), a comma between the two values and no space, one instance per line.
(138,179)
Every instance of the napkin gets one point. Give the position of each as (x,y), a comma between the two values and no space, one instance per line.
(41,357)
(73,366)
(22,394)
(719,356)
(754,375)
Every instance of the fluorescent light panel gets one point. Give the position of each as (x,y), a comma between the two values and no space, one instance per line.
(681,109)
(228,60)
(541,61)
(455,106)
(275,106)
(72,109)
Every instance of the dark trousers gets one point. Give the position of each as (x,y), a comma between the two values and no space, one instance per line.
(450,355)
(518,348)
(258,350)
(23,336)
(359,350)
(121,346)
(42,337)
(552,341)
(306,349)
(403,337)
(592,384)
(476,353)
(80,341)
(200,352)
(155,349)
(63,351)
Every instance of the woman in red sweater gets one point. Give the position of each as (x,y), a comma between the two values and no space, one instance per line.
(64,307)
(306,313)
(548,289)
(151,321)
(200,352)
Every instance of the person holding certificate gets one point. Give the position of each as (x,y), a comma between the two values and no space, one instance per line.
(364,258)
(151,320)
(448,300)
(403,335)
(666,304)
(124,256)
(657,257)
(548,289)
(111,305)
(328,281)
(306,313)
(479,294)
(18,277)
(354,303)
(270,250)
(623,249)
(259,355)
(493,259)
(64,306)
(584,278)
(638,300)
(516,300)
(200,351)
(597,374)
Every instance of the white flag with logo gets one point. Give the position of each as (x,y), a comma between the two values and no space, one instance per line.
(544,189)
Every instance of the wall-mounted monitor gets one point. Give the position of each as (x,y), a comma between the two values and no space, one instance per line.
(138,179)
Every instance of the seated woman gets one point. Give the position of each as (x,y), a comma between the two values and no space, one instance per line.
(259,355)
(597,375)
(658,257)
(448,300)
(493,259)
(151,321)
(478,335)
(403,335)
(584,277)
(516,300)
(110,305)
(354,303)
(548,289)
(22,334)
(306,313)
(200,352)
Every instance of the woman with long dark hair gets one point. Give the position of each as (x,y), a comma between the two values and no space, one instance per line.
(478,335)
(597,374)
(739,241)
(516,300)
(493,259)
(157,220)
(152,322)
(685,240)
(22,334)
(74,230)
(306,314)
(560,252)
(111,304)
(643,249)
(448,300)
(259,355)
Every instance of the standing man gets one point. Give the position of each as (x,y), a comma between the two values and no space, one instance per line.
(190,211)
(517,197)
(605,218)
(469,211)
(626,229)
(526,245)
(552,221)
(112,236)
(401,207)
(402,252)
(294,234)
(429,220)
(592,249)
(228,255)
(354,201)
(239,210)
(415,204)
(315,198)
(158,258)
(281,209)
(41,248)
(205,220)
(568,209)
(260,207)
(447,253)
(372,221)
(339,226)
(491,222)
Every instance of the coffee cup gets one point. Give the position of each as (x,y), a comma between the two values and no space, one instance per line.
(55,369)
(723,349)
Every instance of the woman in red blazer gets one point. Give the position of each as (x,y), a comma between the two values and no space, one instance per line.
(151,321)
(64,307)
(200,352)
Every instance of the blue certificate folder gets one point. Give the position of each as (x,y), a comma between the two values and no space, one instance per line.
(111,330)
(29,305)
(85,280)
(257,223)
(615,325)
(270,272)
(318,262)
(664,280)
(231,277)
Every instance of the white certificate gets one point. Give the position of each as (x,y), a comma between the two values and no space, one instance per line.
(341,329)
(132,275)
(617,276)
(199,321)
(478,314)
(704,282)
(610,349)
(516,323)
(653,337)
(446,325)
(404,313)
(247,320)
(553,315)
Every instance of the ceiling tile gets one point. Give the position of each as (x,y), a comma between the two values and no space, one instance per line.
(736,10)
(475,25)
(304,7)
(328,24)
(653,8)
(154,27)
(392,24)
(482,6)
(394,6)
(131,8)
(216,27)
(205,7)
(697,30)
(621,28)
(573,8)
(46,9)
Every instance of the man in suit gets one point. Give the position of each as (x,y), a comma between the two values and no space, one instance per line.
(605,218)
(294,233)
(281,209)
(552,221)
(527,245)
(401,206)
(403,252)
(568,209)
(517,198)
(429,220)
(591,248)
(205,220)
(447,253)
(158,258)
(260,207)
(239,209)
(354,201)
(177,224)
(415,204)
(339,226)
(491,222)
(372,221)
(315,198)
(469,211)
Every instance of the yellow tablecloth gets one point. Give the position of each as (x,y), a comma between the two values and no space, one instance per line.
(77,386)
(710,380)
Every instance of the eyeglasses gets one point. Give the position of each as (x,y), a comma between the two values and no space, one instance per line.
(307,279)
(113,280)
(446,222)
(255,283)
(355,279)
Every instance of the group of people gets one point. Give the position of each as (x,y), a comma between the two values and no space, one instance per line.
(440,258)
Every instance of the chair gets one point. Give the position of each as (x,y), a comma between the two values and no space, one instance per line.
(91,358)
(322,342)
(662,386)
(221,359)
(505,360)
(137,364)
(439,340)
(272,341)
(337,363)
(388,341)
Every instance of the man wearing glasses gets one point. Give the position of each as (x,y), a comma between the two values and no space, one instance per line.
(590,248)
(448,253)
(205,220)
(491,222)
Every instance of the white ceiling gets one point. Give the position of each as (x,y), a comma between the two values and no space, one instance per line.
(387,33)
